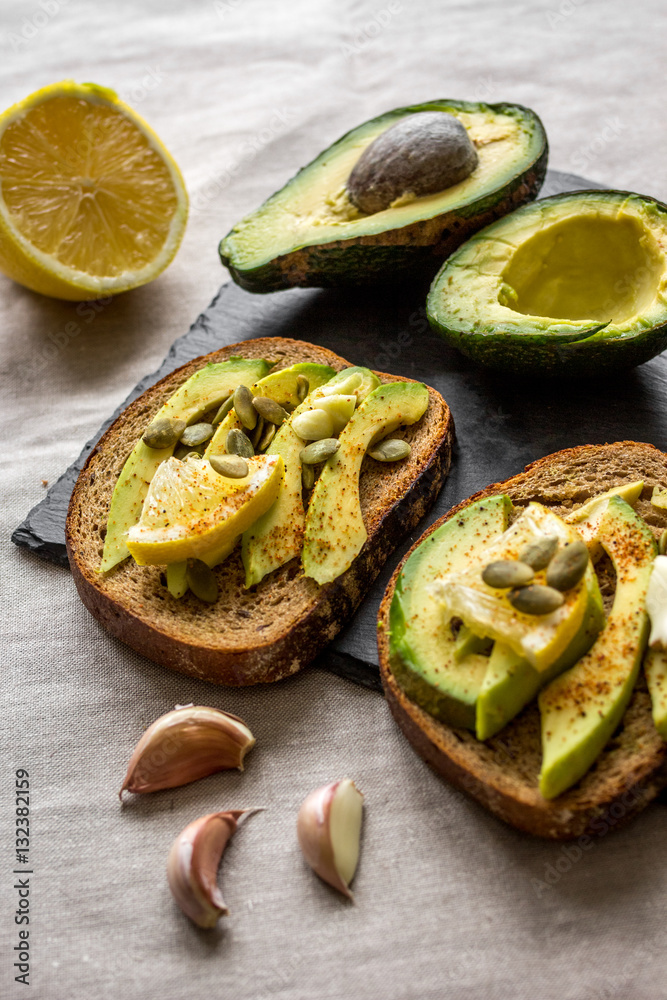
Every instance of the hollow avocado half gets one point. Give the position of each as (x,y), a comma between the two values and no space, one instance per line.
(570,285)
(310,234)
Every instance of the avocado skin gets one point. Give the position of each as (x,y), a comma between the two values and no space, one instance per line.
(551,355)
(418,248)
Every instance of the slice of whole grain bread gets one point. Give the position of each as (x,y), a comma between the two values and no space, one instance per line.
(277,627)
(502,773)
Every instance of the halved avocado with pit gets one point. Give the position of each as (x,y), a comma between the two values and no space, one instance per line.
(310,234)
(569,285)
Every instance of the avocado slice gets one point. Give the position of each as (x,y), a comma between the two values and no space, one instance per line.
(310,234)
(467,642)
(335,531)
(510,682)
(277,536)
(422,646)
(570,285)
(581,709)
(588,517)
(655,668)
(202,391)
(280,386)
(655,661)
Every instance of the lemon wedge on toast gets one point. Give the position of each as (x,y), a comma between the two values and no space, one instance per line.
(192,512)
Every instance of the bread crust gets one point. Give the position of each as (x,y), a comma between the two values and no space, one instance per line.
(272,631)
(502,773)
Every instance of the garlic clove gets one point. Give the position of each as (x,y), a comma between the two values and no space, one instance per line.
(192,865)
(329,831)
(184,745)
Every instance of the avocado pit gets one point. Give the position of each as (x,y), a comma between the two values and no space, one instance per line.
(422,154)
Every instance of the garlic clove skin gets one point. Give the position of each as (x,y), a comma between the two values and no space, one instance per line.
(329,832)
(192,865)
(184,745)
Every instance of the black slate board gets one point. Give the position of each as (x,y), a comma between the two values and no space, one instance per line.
(502,423)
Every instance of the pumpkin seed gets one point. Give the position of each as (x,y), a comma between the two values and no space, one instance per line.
(302,387)
(307,477)
(224,409)
(163,432)
(390,450)
(267,437)
(313,425)
(196,434)
(201,581)
(183,453)
(535,599)
(238,443)
(662,543)
(230,466)
(539,554)
(257,433)
(270,410)
(245,411)
(568,566)
(507,573)
(319,451)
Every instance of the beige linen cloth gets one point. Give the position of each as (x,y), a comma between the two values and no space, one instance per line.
(449,902)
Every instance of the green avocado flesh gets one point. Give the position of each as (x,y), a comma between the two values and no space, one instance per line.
(202,391)
(511,682)
(422,645)
(581,709)
(447,676)
(567,285)
(335,530)
(277,536)
(310,234)
(655,668)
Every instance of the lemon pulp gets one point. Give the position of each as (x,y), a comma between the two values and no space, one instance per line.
(91,202)
(191,512)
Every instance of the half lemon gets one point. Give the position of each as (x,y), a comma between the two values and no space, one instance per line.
(91,203)
(192,512)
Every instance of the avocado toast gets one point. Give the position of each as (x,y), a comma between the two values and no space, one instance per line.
(503,772)
(279,624)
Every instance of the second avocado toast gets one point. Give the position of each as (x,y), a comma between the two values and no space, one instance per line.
(599,758)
